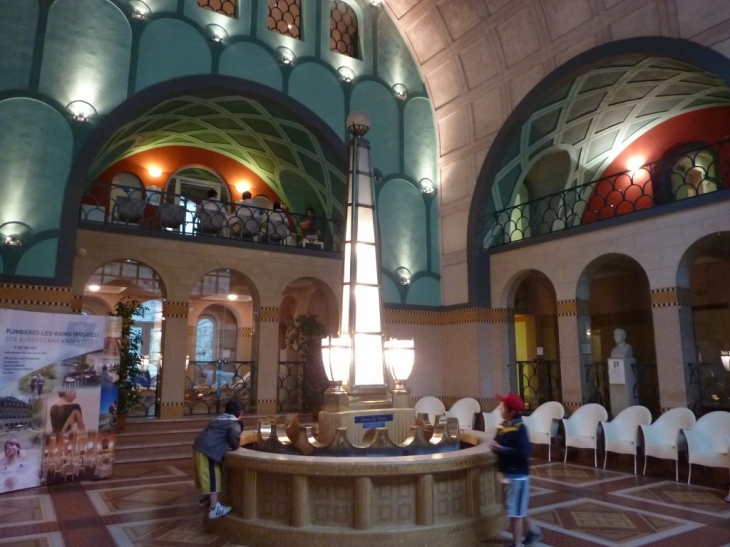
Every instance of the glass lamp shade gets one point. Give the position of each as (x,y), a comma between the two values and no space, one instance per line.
(337,359)
(399,357)
(725,358)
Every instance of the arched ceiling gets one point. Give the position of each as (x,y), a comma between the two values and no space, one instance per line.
(262,137)
(597,115)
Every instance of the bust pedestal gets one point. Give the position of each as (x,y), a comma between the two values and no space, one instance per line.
(621,381)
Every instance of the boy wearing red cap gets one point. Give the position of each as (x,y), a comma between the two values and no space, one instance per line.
(513,448)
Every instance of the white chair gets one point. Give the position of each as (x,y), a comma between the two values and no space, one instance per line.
(431,406)
(542,424)
(464,410)
(707,441)
(661,439)
(492,420)
(581,429)
(619,435)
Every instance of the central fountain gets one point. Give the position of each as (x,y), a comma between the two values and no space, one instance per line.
(370,476)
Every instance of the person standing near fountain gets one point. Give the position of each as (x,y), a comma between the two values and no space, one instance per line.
(209,447)
(513,448)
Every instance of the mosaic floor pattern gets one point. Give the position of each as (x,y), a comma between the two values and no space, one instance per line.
(155,505)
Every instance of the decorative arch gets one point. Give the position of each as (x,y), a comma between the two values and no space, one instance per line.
(502,150)
(147,99)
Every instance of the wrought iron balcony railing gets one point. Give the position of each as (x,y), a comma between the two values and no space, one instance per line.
(676,177)
(211,384)
(538,382)
(155,211)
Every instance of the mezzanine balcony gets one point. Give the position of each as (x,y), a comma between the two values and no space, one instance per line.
(670,180)
(164,214)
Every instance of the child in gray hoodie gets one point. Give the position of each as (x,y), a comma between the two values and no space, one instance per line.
(209,447)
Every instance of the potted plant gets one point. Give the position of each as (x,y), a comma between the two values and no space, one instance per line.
(130,358)
(311,331)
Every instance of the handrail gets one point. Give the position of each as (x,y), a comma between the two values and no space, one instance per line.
(155,211)
(692,173)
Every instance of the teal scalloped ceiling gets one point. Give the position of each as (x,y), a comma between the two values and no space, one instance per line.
(260,136)
(92,51)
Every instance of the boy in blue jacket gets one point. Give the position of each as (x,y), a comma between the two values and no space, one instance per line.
(221,435)
(513,448)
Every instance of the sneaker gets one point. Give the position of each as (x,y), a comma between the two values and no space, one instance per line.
(218,511)
(532,538)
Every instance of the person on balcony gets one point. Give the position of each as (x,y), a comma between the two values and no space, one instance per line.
(210,215)
(309,225)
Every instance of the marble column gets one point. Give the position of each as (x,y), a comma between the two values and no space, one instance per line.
(175,329)
(573,328)
(674,344)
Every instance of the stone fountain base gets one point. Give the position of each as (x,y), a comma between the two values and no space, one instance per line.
(452,499)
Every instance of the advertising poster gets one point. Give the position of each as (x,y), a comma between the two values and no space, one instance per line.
(58,389)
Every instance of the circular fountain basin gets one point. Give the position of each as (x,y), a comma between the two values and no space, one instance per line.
(449,499)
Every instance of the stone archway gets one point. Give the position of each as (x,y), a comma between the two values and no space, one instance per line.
(617,291)
(536,370)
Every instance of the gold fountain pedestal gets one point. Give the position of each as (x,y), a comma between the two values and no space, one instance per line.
(452,498)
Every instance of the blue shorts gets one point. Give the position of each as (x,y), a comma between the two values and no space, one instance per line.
(517,495)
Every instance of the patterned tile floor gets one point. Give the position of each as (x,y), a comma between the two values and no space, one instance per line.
(155,505)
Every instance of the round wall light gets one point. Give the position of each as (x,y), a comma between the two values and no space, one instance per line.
(401,92)
(346,73)
(216,33)
(81,111)
(286,55)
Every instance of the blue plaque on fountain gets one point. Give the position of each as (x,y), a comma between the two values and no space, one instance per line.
(375,421)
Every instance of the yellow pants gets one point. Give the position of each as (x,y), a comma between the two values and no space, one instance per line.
(207,473)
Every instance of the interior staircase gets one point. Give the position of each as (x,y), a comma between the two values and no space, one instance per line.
(152,439)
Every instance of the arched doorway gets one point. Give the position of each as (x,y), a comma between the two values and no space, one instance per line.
(220,365)
(617,290)
(126,278)
(308,312)
(705,268)
(536,370)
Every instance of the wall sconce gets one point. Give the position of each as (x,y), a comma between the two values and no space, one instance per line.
(232,297)
(155,172)
(401,92)
(399,358)
(138,9)
(347,74)
(13,241)
(94,288)
(375,3)
(286,55)
(216,33)
(242,187)
(404,275)
(81,111)
(427,186)
(725,358)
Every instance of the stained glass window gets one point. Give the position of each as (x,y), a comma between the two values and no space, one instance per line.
(343,29)
(225,7)
(285,17)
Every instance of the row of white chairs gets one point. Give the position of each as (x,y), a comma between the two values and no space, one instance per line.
(464,410)
(706,440)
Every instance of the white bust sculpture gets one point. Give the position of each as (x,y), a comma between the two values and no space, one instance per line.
(621,350)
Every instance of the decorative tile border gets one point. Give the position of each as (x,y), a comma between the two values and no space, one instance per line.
(35,295)
(175,309)
(670,297)
(269,314)
(450,317)
(575,307)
